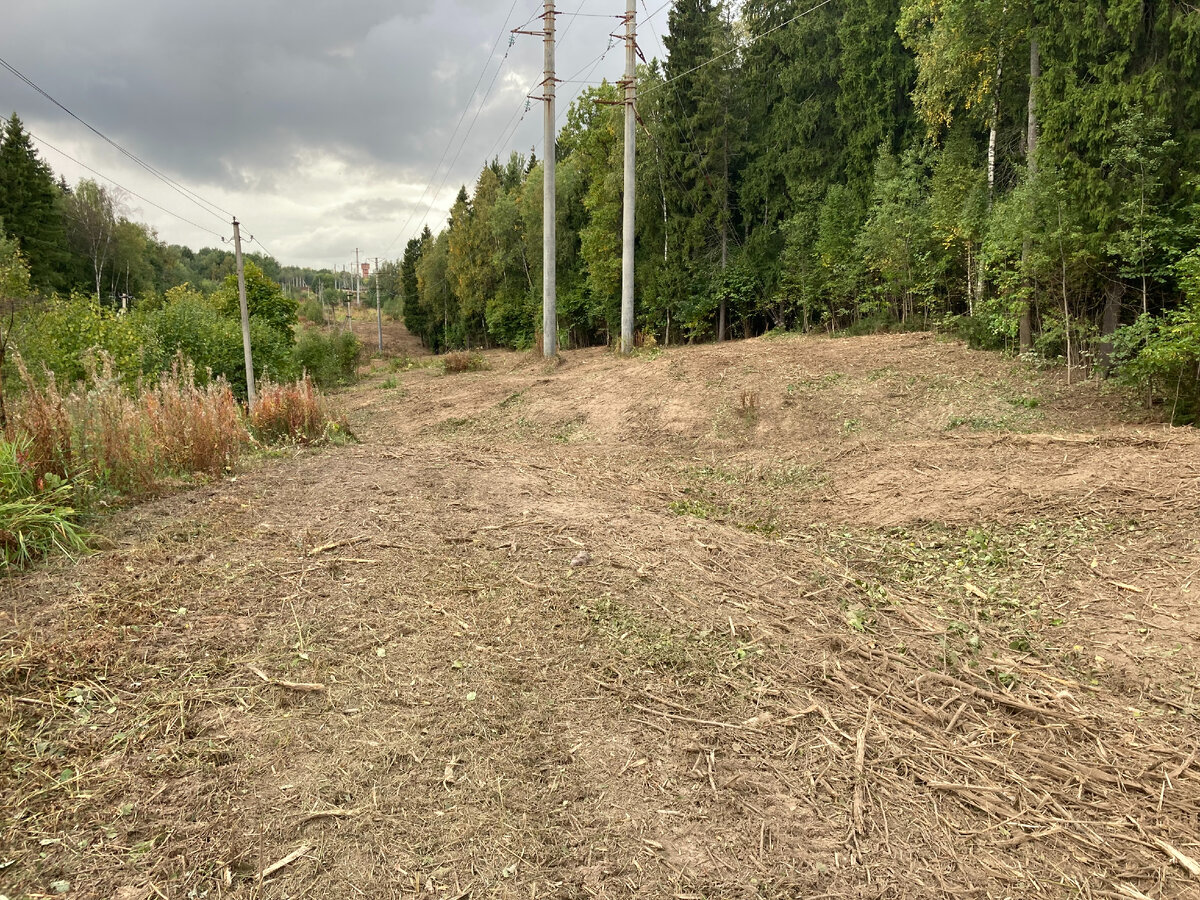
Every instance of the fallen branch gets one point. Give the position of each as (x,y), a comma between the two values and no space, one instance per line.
(689,719)
(286,861)
(333,545)
(860,759)
(1182,859)
(329,814)
(304,687)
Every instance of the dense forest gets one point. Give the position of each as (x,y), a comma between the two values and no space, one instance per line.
(1024,173)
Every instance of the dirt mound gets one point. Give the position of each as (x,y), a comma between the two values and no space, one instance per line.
(862,618)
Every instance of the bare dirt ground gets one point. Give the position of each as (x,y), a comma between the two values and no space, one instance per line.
(792,618)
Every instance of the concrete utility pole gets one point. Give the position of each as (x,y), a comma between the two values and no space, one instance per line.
(241,273)
(357,279)
(630,177)
(378,307)
(549,237)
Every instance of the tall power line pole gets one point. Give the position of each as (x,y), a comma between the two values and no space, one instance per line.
(630,177)
(378,307)
(549,237)
(241,275)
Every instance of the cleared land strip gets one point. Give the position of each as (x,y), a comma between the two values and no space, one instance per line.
(510,648)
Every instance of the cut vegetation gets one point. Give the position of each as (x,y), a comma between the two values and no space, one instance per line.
(821,644)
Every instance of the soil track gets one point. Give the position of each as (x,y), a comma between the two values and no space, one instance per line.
(860,618)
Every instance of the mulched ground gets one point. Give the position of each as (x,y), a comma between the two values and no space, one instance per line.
(856,618)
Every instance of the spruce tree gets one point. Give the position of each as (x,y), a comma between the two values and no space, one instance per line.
(30,206)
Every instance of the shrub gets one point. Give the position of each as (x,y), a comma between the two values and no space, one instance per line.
(265,300)
(291,412)
(456,363)
(313,312)
(1164,354)
(190,324)
(55,336)
(329,359)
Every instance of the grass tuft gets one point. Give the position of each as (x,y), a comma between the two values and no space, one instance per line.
(457,363)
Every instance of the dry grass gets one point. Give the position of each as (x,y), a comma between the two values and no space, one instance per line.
(294,413)
(457,363)
(193,428)
(102,435)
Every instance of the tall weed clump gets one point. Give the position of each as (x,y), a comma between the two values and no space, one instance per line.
(110,432)
(194,428)
(292,412)
(457,363)
(36,518)
(102,437)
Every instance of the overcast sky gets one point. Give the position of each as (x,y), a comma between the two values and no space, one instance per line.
(319,124)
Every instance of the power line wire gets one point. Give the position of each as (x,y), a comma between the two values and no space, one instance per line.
(462,116)
(175,185)
(114,182)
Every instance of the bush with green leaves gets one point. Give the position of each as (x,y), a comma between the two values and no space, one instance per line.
(313,312)
(56,336)
(1163,354)
(265,300)
(330,359)
(196,326)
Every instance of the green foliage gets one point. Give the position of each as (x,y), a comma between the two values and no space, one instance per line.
(264,299)
(31,206)
(329,359)
(312,312)
(195,326)
(14,270)
(58,334)
(36,516)
(1164,353)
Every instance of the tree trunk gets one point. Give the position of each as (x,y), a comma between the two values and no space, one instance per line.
(1025,330)
(993,131)
(724,262)
(1114,293)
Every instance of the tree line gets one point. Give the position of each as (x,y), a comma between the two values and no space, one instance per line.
(79,275)
(1024,172)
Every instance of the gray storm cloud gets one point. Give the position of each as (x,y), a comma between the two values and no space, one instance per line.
(318,123)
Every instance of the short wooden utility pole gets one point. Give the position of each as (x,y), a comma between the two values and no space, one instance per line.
(378,307)
(241,275)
